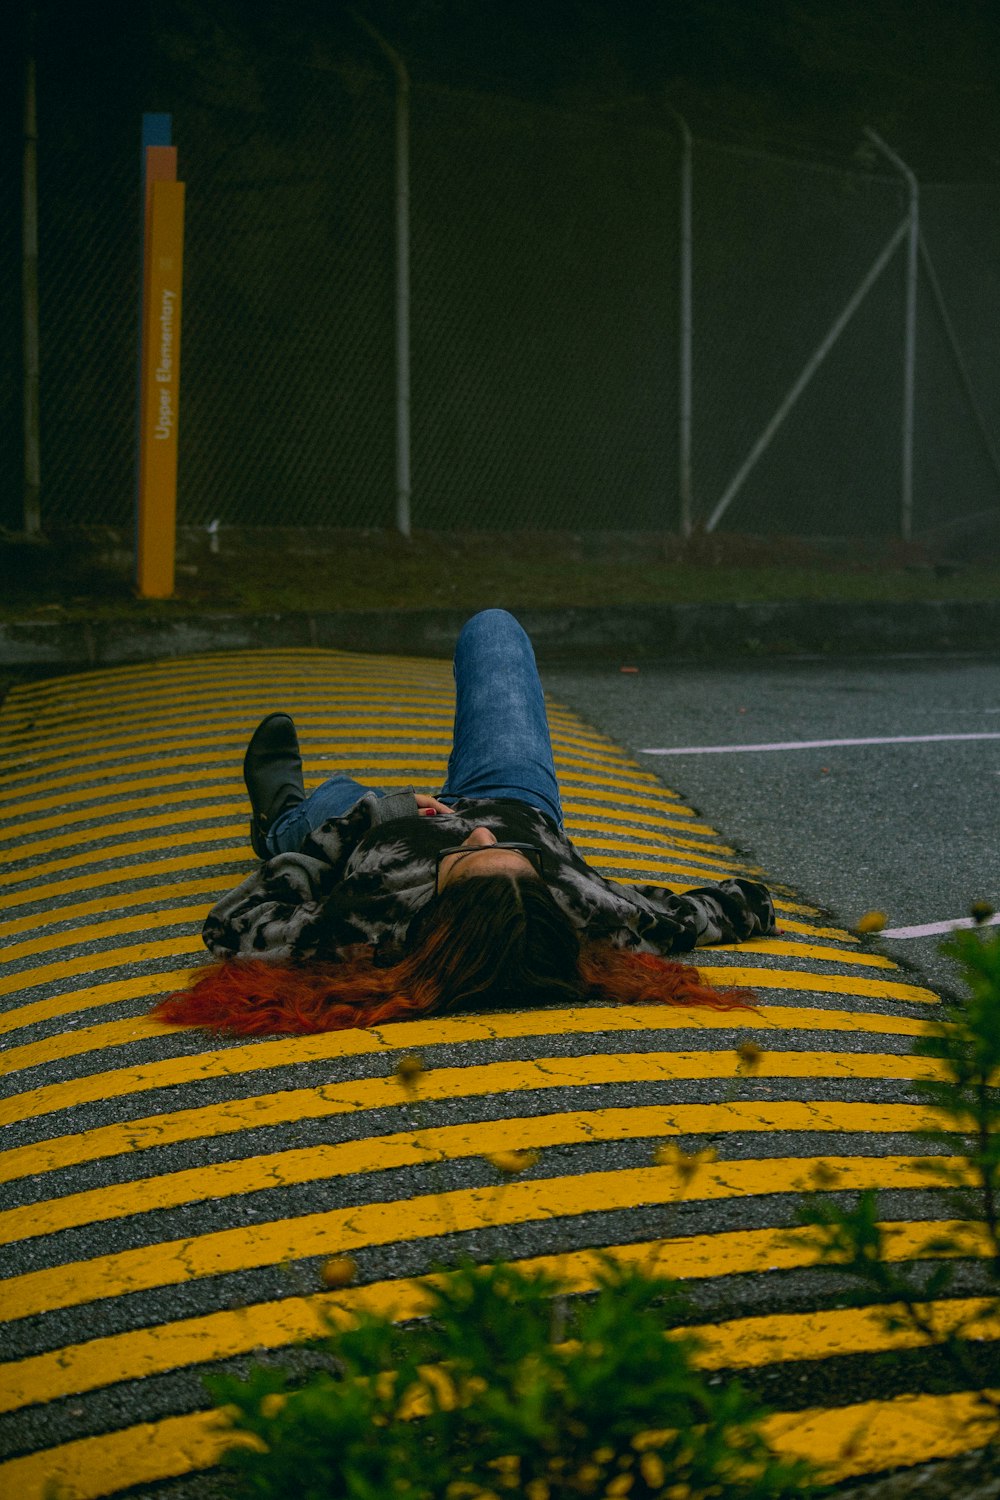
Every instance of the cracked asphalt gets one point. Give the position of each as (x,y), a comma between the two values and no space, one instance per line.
(167,1200)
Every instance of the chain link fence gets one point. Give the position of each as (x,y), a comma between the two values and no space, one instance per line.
(545,320)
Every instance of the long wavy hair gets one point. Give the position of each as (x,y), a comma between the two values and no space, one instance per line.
(487,943)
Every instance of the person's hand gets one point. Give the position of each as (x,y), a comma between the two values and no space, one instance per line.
(429,806)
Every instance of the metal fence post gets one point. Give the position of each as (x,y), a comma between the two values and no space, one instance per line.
(29,295)
(685,403)
(402,194)
(910,336)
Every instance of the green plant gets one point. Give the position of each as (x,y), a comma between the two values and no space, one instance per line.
(964,1104)
(508,1388)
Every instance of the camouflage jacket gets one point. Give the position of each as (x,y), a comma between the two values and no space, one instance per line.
(358,879)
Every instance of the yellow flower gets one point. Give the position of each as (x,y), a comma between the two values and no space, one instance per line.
(340,1271)
(537,1489)
(750,1056)
(407,1071)
(653,1470)
(619,1486)
(511,1163)
(643,1441)
(684,1165)
(872,921)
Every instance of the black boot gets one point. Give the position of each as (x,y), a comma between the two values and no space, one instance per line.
(272,770)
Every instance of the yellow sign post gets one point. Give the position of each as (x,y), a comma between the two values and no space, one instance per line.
(160,388)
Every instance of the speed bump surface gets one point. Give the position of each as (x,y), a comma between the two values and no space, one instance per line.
(167,1200)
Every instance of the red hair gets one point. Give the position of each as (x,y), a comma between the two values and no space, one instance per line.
(489,943)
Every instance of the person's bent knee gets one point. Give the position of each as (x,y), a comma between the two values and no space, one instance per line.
(490,623)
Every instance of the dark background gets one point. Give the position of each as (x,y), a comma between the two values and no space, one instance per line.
(544,192)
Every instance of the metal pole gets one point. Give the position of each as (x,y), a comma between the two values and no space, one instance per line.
(402,191)
(813,364)
(959,358)
(910,336)
(29,296)
(685,404)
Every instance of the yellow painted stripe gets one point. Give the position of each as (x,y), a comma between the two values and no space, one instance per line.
(342,1230)
(581,815)
(205,859)
(234,809)
(221,780)
(158,793)
(109,809)
(398,755)
(835,984)
(118,901)
(313,708)
(809,929)
(709,874)
(639,842)
(876,1435)
(239,1114)
(195,915)
(748,1343)
(93,996)
(205,837)
(274,1325)
(440,1083)
(847,1441)
(778,948)
(236,816)
(294,660)
(656,804)
(99,995)
(111,958)
(450,1142)
(70,937)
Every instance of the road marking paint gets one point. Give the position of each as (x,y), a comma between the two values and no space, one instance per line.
(876,1435)
(209,838)
(140,986)
(801,979)
(121,901)
(220,819)
(111,958)
(847,1441)
(274,1325)
(618,870)
(838,934)
(586,835)
(71,937)
(426,1216)
(515,1023)
(779,948)
(410,1148)
(890,739)
(467,1082)
(931,929)
(207,860)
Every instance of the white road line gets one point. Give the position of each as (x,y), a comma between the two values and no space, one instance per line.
(892,739)
(930,929)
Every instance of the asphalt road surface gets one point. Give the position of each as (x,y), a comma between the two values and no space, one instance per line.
(168,1198)
(911,828)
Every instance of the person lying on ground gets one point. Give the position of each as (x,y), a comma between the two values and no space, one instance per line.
(371,906)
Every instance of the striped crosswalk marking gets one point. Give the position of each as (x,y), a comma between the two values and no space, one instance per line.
(167,1197)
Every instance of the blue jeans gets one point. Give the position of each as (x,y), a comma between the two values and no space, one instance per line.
(500,744)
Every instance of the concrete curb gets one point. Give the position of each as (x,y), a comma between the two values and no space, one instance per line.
(641,631)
